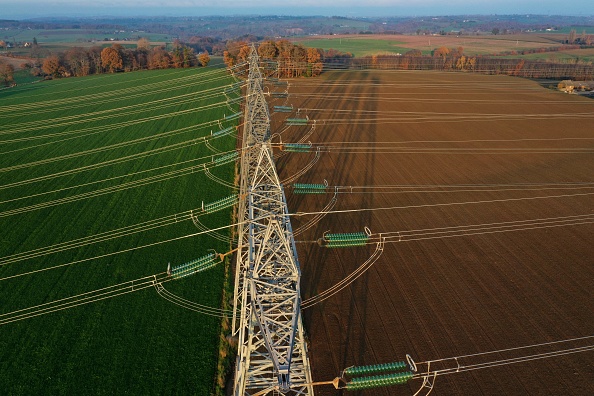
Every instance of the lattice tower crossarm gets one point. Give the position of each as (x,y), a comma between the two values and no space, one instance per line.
(272,354)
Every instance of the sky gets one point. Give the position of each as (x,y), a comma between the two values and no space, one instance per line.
(23,9)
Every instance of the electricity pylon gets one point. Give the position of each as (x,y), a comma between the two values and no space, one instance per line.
(272,354)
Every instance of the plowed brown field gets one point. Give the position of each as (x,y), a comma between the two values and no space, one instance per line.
(472,45)
(462,295)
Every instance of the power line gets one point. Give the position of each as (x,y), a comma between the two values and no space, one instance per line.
(82,299)
(104,236)
(115,161)
(129,77)
(457,364)
(115,253)
(489,230)
(587,220)
(108,114)
(441,204)
(437,233)
(120,187)
(441,115)
(428,373)
(161,86)
(390,98)
(347,281)
(460,150)
(127,287)
(190,305)
(450,189)
(104,128)
(382,142)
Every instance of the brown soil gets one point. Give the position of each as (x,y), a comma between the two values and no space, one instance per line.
(472,45)
(451,296)
(15,62)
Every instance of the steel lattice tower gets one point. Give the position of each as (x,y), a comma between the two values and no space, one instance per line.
(272,355)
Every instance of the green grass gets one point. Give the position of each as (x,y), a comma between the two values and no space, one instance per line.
(356,46)
(138,343)
(25,77)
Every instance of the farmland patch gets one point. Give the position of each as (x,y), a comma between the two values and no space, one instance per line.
(433,151)
(74,138)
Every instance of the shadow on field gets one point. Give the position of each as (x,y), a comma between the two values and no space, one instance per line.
(323,268)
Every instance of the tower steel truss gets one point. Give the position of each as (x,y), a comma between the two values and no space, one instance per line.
(272,354)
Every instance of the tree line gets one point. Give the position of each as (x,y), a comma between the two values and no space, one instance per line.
(455,60)
(116,58)
(288,60)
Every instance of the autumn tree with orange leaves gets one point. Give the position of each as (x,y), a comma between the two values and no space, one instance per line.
(229,59)
(293,60)
(244,54)
(111,59)
(6,73)
(204,58)
(441,52)
(159,59)
(314,60)
(267,50)
(51,66)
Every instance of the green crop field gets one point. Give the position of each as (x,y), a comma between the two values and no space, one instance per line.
(23,77)
(578,29)
(356,46)
(84,157)
(585,55)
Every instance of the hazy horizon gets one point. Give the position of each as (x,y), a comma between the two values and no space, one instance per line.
(28,9)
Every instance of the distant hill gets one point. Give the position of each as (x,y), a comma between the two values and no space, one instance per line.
(227,27)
